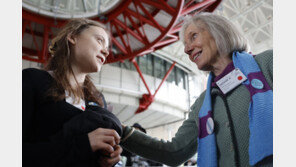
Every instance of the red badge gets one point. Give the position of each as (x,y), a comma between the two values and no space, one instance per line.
(82,108)
(239,78)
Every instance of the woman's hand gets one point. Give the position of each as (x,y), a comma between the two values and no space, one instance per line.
(113,159)
(104,140)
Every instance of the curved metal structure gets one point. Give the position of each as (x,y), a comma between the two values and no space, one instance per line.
(137,26)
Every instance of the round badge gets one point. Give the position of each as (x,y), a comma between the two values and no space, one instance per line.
(239,78)
(210,125)
(256,83)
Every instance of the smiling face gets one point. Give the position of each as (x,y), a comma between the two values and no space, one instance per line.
(89,49)
(200,46)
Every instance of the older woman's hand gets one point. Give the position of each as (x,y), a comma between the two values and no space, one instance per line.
(103,140)
(108,161)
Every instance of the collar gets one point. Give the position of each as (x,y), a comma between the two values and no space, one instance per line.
(227,70)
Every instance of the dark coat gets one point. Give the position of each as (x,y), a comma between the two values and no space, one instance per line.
(55,132)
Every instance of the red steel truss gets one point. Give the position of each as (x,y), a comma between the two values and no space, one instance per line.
(126,24)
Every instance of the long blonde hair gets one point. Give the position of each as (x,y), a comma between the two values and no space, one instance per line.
(60,64)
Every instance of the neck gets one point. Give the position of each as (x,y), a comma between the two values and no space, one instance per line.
(221,64)
(80,77)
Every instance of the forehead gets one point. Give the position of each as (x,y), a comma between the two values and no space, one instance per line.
(193,27)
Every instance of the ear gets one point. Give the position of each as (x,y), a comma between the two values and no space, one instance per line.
(71,39)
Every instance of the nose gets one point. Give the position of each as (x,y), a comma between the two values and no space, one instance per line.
(105,52)
(188,49)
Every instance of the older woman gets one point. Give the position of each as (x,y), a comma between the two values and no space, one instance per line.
(230,124)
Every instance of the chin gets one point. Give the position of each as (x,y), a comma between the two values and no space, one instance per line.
(201,68)
(98,69)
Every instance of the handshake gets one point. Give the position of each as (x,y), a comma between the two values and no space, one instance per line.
(104,132)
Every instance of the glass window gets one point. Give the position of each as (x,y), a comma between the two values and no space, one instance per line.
(185,80)
(143,63)
(159,67)
(126,64)
(116,64)
(171,77)
(180,78)
(132,64)
(150,64)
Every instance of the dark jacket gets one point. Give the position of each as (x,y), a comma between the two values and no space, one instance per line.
(55,132)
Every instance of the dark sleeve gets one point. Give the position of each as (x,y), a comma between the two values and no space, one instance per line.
(58,150)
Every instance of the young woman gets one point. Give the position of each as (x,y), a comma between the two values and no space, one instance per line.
(65,121)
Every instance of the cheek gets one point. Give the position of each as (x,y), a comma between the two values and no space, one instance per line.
(213,45)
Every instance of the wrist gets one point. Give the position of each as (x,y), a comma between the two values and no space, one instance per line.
(127,132)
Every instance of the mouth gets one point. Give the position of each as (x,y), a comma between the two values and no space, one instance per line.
(101,58)
(197,55)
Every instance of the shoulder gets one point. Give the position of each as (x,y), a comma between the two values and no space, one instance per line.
(39,79)
(198,103)
(264,58)
(34,73)
(265,62)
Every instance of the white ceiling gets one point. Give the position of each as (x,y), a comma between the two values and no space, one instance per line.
(254,17)
(66,9)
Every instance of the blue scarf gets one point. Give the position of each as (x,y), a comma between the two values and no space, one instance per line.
(260,115)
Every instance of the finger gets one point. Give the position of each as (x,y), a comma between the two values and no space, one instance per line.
(113,161)
(117,151)
(111,132)
(110,140)
(106,147)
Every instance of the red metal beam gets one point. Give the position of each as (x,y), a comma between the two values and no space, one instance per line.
(32,59)
(25,23)
(136,27)
(118,10)
(164,78)
(125,51)
(147,99)
(141,75)
(29,51)
(121,37)
(37,18)
(188,4)
(45,44)
(161,5)
(128,30)
(120,47)
(159,27)
(140,17)
(165,42)
(196,6)
(38,34)
(34,38)
(146,51)
(174,20)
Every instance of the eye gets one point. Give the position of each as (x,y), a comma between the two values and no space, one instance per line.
(194,36)
(100,40)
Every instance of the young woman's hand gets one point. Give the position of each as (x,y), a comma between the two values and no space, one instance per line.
(103,140)
(113,159)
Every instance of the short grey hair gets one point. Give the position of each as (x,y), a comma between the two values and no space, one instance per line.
(227,36)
